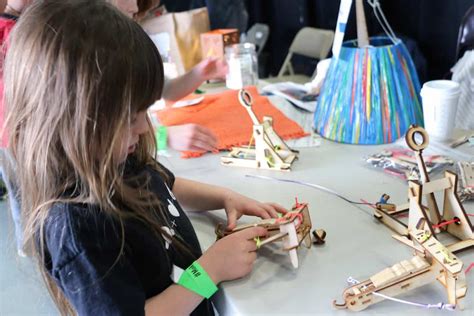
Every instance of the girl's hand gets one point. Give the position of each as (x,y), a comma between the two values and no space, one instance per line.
(232,257)
(237,205)
(191,137)
(212,68)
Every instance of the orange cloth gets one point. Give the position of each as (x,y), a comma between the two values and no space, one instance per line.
(229,121)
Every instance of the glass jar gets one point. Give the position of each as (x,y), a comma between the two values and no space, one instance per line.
(243,65)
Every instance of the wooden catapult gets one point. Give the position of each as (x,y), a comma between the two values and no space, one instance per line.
(269,152)
(454,219)
(293,229)
(432,261)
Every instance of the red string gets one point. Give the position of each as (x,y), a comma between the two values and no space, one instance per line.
(471,266)
(368,204)
(406,215)
(290,217)
(442,224)
(297,204)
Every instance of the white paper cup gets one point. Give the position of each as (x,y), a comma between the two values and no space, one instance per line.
(440,103)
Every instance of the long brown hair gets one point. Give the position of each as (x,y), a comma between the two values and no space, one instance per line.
(75,73)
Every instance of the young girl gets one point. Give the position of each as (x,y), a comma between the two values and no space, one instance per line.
(102,216)
(183,137)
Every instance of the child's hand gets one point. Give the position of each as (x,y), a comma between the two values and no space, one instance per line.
(212,68)
(232,257)
(191,137)
(237,205)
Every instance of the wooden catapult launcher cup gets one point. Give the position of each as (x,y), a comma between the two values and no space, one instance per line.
(269,152)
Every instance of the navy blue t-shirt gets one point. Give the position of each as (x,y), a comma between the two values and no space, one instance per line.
(83,254)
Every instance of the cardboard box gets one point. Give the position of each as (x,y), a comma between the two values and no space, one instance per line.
(214,42)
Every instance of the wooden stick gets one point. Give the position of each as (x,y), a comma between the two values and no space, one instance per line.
(273,238)
(362,34)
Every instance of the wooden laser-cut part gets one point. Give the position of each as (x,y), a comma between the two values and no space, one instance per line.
(270,151)
(435,263)
(293,230)
(418,148)
(452,208)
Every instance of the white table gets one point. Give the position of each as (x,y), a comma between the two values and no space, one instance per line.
(357,245)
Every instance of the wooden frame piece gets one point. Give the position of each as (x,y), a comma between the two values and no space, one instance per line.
(269,152)
(462,229)
(293,229)
(431,262)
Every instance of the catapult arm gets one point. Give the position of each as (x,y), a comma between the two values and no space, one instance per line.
(246,101)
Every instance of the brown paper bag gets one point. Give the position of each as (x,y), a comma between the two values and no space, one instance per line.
(184,29)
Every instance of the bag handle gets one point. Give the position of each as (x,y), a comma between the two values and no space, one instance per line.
(375,4)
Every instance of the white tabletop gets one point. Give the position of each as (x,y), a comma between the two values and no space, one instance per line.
(357,245)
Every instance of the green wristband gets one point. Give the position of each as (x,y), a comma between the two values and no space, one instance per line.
(161,136)
(196,279)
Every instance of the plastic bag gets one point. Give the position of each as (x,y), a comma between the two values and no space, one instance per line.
(466,180)
(401,162)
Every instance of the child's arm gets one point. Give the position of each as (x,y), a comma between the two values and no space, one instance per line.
(175,300)
(99,278)
(191,137)
(209,68)
(230,258)
(197,196)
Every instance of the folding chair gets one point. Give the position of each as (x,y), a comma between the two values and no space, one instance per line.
(258,35)
(309,42)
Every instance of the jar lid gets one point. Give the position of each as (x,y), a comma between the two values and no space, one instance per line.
(240,48)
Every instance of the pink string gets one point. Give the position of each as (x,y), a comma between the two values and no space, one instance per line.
(290,217)
(471,266)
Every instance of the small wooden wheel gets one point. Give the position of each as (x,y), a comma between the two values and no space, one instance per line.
(410,138)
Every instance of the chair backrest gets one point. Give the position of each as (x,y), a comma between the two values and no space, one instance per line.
(309,42)
(258,35)
(466,33)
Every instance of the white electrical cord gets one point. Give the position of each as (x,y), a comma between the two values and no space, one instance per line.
(441,306)
(312,185)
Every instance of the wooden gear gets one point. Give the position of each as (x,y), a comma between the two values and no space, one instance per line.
(293,229)
(461,227)
(270,151)
(432,261)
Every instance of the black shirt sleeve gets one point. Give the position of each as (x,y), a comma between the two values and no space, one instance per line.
(170,176)
(89,264)
(96,283)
